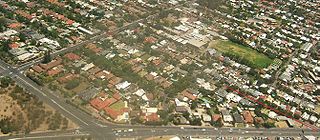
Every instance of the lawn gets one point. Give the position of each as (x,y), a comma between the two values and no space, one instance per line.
(81,87)
(247,54)
(118,105)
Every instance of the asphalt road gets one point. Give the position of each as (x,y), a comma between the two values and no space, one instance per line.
(102,131)
(88,125)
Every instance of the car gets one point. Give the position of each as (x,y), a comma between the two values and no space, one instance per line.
(203,129)
(181,127)
(230,130)
(130,130)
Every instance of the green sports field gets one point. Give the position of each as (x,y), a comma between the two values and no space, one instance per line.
(250,55)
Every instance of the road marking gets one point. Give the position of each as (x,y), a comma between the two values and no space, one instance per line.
(101,125)
(68,112)
(32,86)
(54,101)
(41,137)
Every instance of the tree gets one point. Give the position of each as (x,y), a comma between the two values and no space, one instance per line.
(22,37)
(268,125)
(194,105)
(72,84)
(217,123)
(195,121)
(47,57)
(6,126)
(5,82)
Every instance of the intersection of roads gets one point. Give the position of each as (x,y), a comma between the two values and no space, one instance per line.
(91,127)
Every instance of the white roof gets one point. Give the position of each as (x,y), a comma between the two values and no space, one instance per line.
(25,56)
(305,116)
(179,103)
(227,118)
(140,92)
(87,67)
(123,85)
(272,114)
(151,110)
(206,117)
(144,97)
(313,118)
(8,33)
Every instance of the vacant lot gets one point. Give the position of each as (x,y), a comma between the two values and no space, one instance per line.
(244,54)
(21,112)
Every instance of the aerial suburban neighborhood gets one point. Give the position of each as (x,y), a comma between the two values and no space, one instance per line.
(160,69)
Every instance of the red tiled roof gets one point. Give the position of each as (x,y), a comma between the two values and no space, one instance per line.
(188,95)
(96,50)
(157,62)
(69,22)
(24,14)
(150,40)
(113,113)
(98,104)
(216,117)
(72,56)
(30,4)
(166,84)
(152,117)
(150,77)
(54,72)
(247,117)
(115,80)
(56,2)
(14,45)
(117,96)
(258,120)
(52,64)
(37,69)
(15,25)
(66,78)
(94,70)
(99,74)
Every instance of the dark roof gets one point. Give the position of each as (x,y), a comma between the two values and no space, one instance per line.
(237,118)
(88,93)
(181,109)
